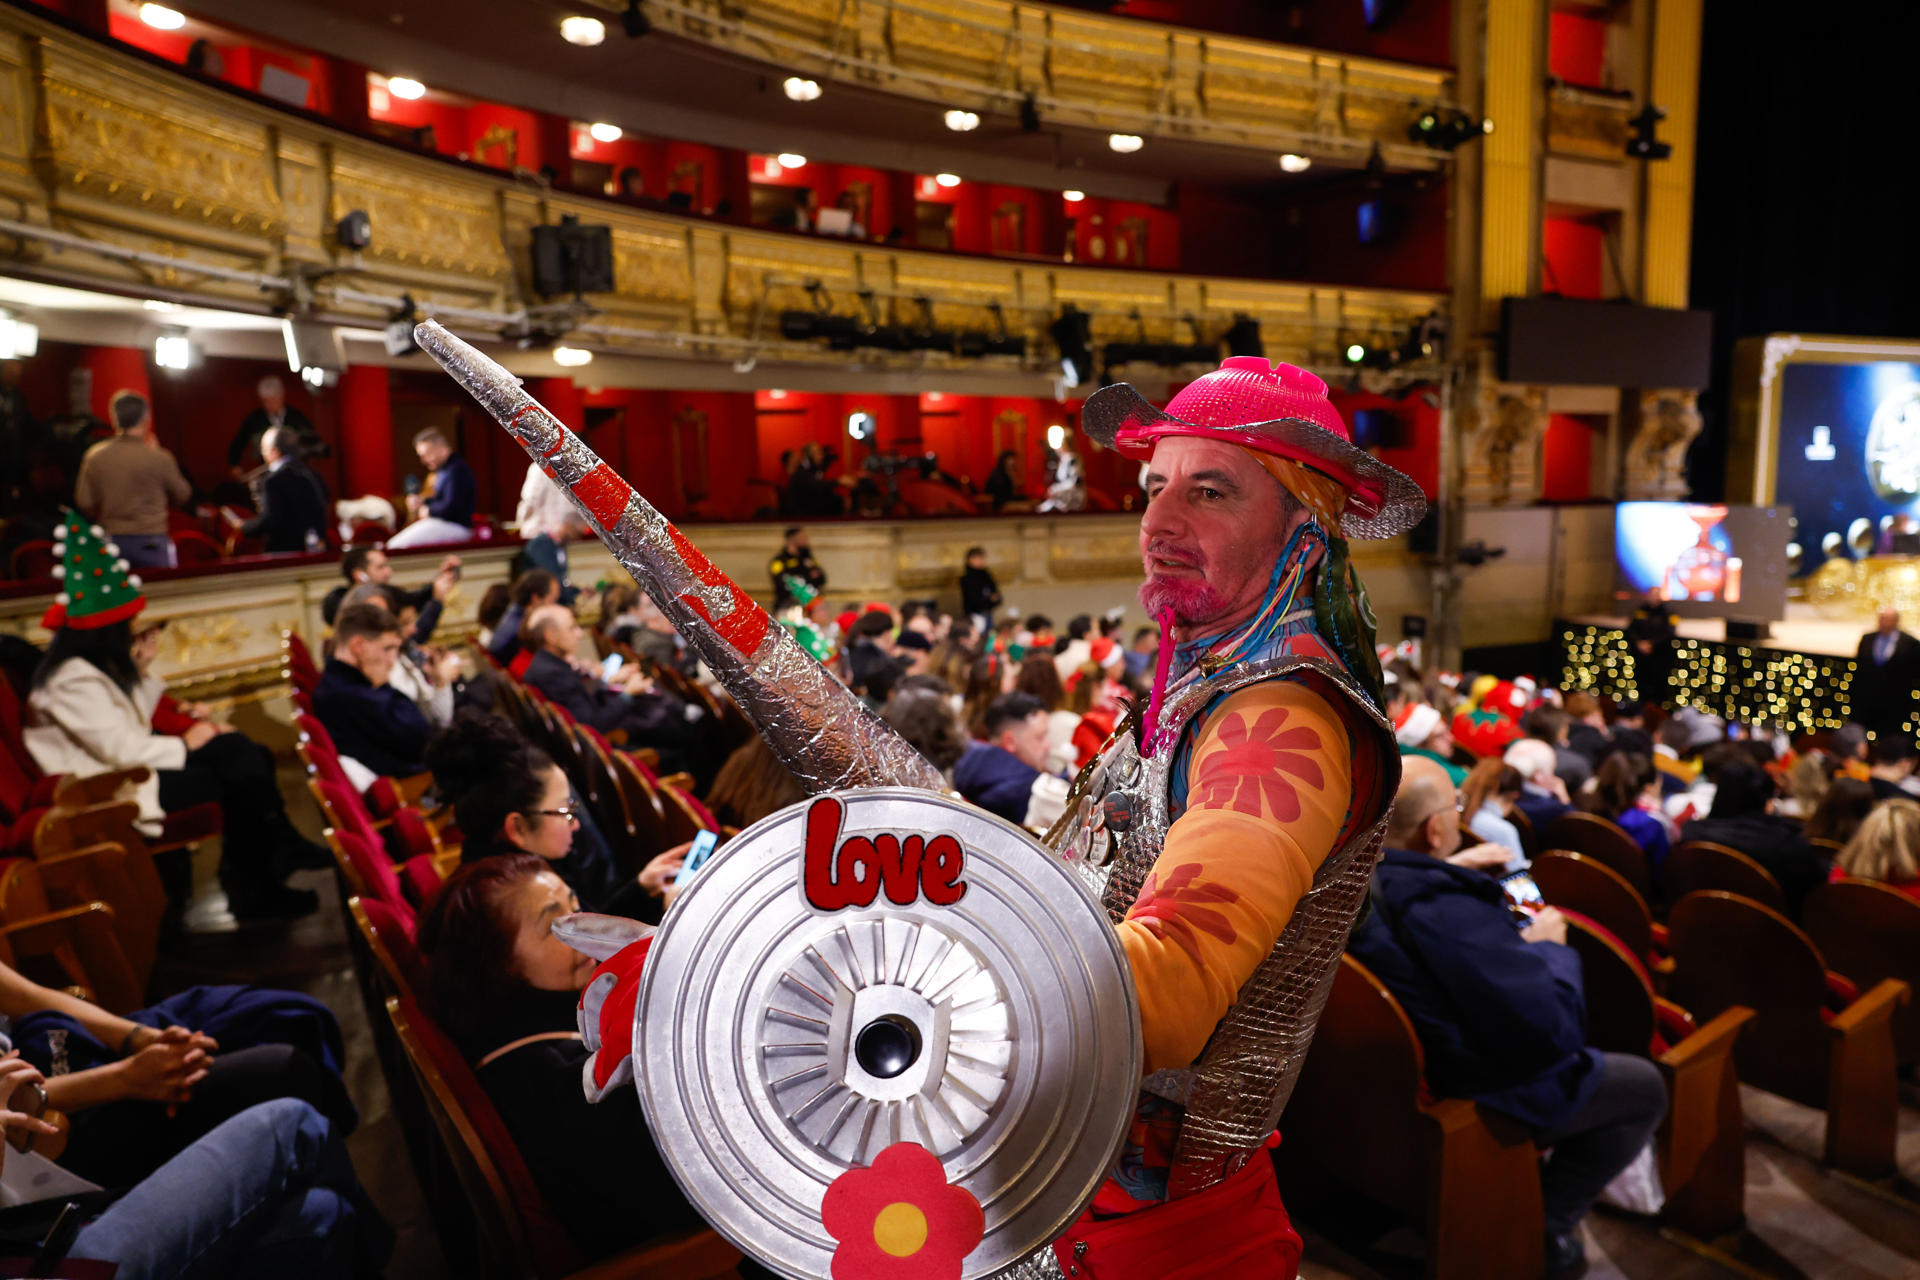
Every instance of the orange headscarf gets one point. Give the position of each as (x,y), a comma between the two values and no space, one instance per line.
(1318,492)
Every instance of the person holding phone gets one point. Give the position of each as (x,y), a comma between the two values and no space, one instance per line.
(1500,1009)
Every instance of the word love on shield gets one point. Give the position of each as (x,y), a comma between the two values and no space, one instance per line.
(851,872)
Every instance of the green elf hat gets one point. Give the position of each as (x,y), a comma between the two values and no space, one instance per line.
(96,589)
(799,589)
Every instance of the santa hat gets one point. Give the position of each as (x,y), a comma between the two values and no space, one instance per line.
(846,620)
(1415,724)
(1506,698)
(1106,653)
(96,589)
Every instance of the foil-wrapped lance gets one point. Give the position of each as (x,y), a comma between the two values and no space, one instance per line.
(820,731)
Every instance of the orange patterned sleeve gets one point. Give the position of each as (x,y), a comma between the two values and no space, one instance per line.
(1269,783)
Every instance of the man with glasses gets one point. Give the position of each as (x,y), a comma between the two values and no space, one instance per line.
(649,717)
(1499,1008)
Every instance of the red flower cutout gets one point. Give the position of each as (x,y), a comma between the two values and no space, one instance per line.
(1177,910)
(899,1220)
(1245,772)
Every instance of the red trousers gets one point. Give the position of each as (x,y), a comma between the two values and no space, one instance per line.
(1235,1228)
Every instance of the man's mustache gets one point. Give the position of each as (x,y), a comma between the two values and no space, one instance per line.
(1189,557)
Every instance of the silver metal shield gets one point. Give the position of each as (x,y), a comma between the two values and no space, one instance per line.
(779,1045)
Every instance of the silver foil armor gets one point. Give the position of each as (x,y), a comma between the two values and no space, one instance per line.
(1235,1091)
(813,723)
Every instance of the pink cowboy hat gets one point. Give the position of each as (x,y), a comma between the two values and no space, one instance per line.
(1276,409)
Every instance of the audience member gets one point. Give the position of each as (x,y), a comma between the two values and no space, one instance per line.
(751,784)
(509,797)
(1629,729)
(1422,731)
(505,989)
(1886,670)
(443,510)
(1885,848)
(1587,730)
(794,560)
(138,1090)
(1543,797)
(430,677)
(244,453)
(871,650)
(1808,779)
(1040,677)
(1840,811)
(494,602)
(648,716)
(1500,1010)
(1627,790)
(1650,633)
(126,485)
(293,500)
(1489,792)
(1078,648)
(1741,820)
(1004,486)
(926,719)
(90,711)
(370,564)
(18,434)
(810,491)
(1848,746)
(979,593)
(1142,652)
(1552,725)
(1006,774)
(1672,752)
(534,589)
(548,522)
(371,721)
(1891,773)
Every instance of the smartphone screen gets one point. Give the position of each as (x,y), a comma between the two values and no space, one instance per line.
(1522,891)
(611,667)
(696,857)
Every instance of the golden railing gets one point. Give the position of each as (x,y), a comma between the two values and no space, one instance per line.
(115,171)
(1092,70)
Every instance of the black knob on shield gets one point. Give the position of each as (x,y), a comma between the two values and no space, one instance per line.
(887,1046)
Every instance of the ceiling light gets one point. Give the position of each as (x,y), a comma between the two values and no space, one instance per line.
(571,357)
(18,339)
(161,18)
(583,31)
(788,160)
(402,87)
(1073,197)
(156,304)
(172,351)
(1056,436)
(604,132)
(801,89)
(314,376)
(962,121)
(1125,143)
(947,179)
(1296,163)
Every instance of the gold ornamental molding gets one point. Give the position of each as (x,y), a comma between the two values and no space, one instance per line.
(138,174)
(1086,69)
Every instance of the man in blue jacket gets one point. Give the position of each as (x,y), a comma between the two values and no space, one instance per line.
(1500,1009)
(370,720)
(1006,774)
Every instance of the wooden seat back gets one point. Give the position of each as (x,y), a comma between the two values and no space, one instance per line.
(1728,951)
(1577,882)
(1702,864)
(1620,1015)
(1529,838)
(1604,841)
(1869,932)
(73,946)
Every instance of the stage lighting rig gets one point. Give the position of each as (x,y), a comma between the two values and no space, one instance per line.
(1073,334)
(1643,145)
(1446,128)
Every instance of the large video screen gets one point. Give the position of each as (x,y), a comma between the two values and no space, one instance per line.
(1708,560)
(1849,460)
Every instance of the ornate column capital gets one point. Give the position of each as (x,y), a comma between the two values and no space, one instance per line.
(1501,427)
(1666,424)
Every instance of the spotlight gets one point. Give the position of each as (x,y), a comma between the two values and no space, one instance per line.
(1643,145)
(405,87)
(1243,337)
(571,357)
(398,335)
(947,179)
(860,425)
(161,18)
(1356,352)
(1056,437)
(355,231)
(1029,115)
(1446,128)
(1293,163)
(791,160)
(1125,143)
(801,89)
(604,132)
(962,121)
(1073,334)
(585,32)
(636,22)
(172,351)
(1073,197)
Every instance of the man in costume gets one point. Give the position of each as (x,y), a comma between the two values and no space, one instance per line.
(1246,810)
(1233,827)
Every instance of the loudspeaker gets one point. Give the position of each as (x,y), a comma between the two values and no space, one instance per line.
(1574,342)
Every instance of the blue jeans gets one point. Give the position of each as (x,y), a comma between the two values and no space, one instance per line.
(268,1193)
(145,550)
